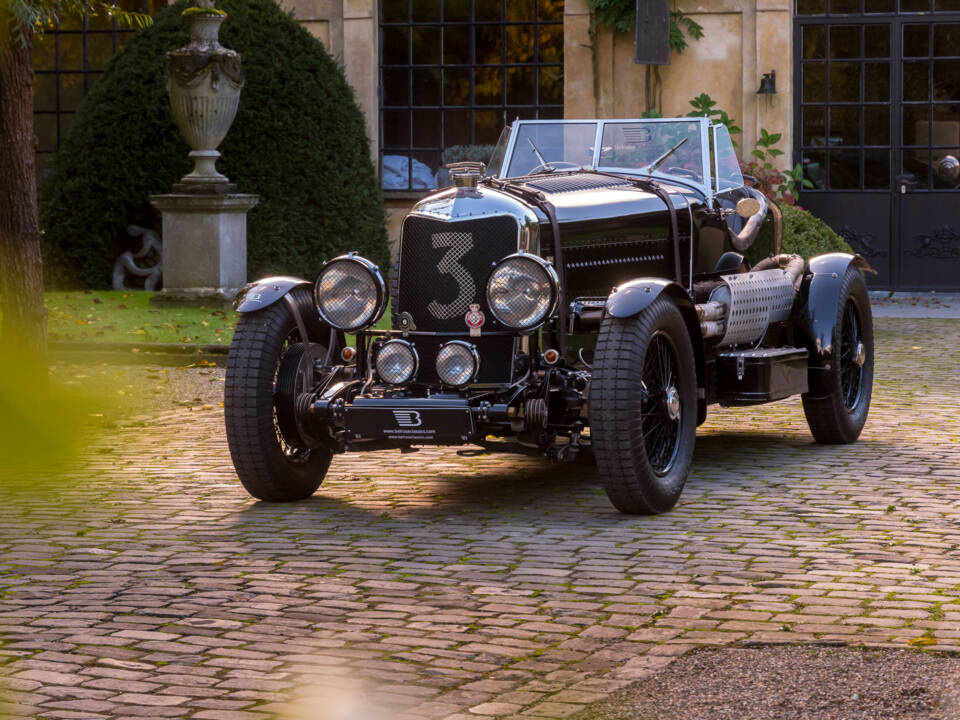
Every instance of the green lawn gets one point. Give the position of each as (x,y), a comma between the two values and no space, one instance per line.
(112,316)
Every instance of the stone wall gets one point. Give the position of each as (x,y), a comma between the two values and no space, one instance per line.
(742,39)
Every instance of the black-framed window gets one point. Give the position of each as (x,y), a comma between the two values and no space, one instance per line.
(871,7)
(454,72)
(67,60)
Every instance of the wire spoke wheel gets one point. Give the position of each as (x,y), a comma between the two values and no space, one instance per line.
(661,421)
(851,356)
(290,444)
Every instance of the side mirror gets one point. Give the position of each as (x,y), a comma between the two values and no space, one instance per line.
(748,207)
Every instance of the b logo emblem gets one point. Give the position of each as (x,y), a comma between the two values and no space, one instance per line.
(407,418)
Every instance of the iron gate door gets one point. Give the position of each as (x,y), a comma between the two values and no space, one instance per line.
(877,118)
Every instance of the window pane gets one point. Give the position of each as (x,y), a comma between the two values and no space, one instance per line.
(488,10)
(487,125)
(395,11)
(520,86)
(44,52)
(456,45)
(396,46)
(814,42)
(918,163)
(426,87)
(424,166)
(916,41)
(99,50)
(845,126)
(456,10)
(946,39)
(814,126)
(396,86)
(876,169)
(877,41)
(914,5)
(71,51)
(426,128)
(396,128)
(489,44)
(949,115)
(946,80)
(456,127)
(844,82)
(844,169)
(811,7)
(915,81)
(814,82)
(488,86)
(71,91)
(551,43)
(551,85)
(45,127)
(880,6)
(456,86)
(815,168)
(550,9)
(521,10)
(842,7)
(395,171)
(876,82)
(426,10)
(876,128)
(45,92)
(845,41)
(946,5)
(916,128)
(426,45)
(520,43)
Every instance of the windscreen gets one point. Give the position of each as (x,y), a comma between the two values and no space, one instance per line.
(639,145)
(567,144)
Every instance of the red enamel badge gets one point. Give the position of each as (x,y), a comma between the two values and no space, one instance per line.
(474,320)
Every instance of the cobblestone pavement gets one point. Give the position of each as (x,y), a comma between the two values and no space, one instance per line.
(446,585)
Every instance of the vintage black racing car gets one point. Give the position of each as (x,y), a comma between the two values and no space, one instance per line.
(593,290)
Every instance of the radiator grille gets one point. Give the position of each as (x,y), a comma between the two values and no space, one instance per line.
(443,270)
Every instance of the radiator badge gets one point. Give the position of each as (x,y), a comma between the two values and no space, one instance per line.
(474,319)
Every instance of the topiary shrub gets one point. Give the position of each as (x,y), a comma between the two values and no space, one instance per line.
(807,235)
(299,141)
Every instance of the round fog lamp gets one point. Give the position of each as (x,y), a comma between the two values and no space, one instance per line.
(397,362)
(350,293)
(522,291)
(457,363)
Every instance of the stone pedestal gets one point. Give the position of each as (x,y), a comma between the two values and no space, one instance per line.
(204,246)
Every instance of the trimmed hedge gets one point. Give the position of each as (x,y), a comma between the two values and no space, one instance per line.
(807,235)
(299,141)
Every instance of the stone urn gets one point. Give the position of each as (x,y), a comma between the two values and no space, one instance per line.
(204,80)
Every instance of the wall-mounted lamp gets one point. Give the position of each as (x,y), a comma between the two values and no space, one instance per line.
(768,83)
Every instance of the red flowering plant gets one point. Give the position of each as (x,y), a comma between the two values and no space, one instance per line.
(779,185)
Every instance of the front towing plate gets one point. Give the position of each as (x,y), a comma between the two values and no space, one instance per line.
(427,422)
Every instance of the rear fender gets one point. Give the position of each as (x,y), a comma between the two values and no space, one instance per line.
(264,293)
(635,296)
(821,295)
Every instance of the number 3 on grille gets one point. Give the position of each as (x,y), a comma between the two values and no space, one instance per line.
(460,244)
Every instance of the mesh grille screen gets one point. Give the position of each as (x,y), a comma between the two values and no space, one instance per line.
(443,270)
(573,183)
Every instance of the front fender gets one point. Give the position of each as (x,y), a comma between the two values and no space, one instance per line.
(821,289)
(635,296)
(264,293)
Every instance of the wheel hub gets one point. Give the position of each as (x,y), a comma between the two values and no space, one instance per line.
(673,403)
(861,355)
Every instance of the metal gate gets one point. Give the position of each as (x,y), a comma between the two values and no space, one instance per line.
(877,128)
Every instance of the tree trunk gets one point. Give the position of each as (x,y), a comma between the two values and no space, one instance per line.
(21,264)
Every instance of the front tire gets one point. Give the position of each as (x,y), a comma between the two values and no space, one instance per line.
(270,465)
(839,416)
(643,408)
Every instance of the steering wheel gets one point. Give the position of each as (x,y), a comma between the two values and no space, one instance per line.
(684,172)
(550,165)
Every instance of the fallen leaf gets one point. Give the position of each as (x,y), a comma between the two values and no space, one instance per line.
(922,641)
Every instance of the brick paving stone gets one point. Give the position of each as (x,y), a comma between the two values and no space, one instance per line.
(457,586)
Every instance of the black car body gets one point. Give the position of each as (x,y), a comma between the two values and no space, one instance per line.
(595,290)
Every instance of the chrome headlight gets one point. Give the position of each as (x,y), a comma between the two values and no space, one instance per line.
(522,291)
(457,363)
(397,362)
(350,293)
